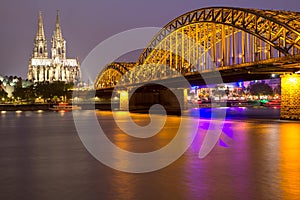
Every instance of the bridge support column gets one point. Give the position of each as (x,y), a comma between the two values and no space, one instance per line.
(290,96)
(124,102)
(182,94)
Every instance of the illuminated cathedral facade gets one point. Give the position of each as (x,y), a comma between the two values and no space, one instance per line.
(56,67)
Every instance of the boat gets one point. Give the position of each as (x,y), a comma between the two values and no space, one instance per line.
(274,104)
(65,107)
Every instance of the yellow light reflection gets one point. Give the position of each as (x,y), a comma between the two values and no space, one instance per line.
(290,161)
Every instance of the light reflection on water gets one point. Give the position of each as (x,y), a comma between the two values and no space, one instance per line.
(290,161)
(41,157)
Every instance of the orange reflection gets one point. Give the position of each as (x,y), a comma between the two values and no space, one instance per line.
(124,185)
(290,161)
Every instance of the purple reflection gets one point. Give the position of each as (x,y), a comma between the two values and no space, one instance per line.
(222,143)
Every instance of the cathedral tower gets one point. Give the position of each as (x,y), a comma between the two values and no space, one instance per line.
(58,49)
(40,42)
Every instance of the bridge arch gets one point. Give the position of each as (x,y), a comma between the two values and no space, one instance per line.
(210,38)
(280,29)
(109,76)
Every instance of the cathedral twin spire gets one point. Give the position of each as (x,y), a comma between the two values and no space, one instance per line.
(40,42)
(58,49)
(40,35)
(56,67)
(57,32)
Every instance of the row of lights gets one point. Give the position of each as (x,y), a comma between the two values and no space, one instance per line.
(19,111)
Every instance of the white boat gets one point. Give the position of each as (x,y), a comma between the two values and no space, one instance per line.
(65,107)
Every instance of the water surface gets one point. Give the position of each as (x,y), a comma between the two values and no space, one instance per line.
(42,157)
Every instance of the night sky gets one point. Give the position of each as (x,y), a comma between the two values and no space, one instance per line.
(85,23)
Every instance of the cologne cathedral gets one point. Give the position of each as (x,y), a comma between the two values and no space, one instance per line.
(58,67)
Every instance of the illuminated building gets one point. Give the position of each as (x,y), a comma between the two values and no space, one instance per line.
(58,67)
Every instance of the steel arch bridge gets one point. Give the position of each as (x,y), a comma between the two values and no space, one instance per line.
(215,38)
(110,75)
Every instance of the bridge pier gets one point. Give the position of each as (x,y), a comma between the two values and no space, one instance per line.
(124,101)
(143,98)
(290,96)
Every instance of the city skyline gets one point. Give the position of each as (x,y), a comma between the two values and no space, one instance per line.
(85,24)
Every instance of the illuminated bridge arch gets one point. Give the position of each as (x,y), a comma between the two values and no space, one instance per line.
(109,76)
(217,38)
(279,29)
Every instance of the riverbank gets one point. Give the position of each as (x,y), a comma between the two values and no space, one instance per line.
(45,107)
(24,107)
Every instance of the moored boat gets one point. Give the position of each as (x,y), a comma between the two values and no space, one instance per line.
(65,107)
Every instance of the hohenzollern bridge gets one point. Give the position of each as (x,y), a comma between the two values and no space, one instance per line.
(233,43)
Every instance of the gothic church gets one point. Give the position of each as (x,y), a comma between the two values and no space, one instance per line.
(58,67)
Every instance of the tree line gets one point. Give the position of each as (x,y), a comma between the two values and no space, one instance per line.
(46,91)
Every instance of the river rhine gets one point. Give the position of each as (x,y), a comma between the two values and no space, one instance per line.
(257,157)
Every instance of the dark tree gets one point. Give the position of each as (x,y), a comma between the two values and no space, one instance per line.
(48,90)
(42,89)
(3,94)
(260,89)
(27,93)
